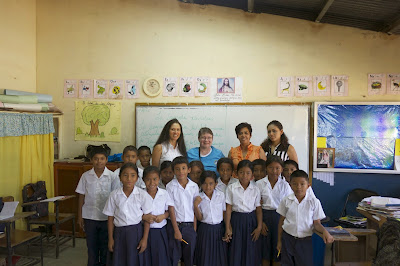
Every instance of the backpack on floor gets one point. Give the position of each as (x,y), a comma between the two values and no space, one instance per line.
(36,192)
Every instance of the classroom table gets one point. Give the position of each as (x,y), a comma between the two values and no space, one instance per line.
(15,237)
(374,221)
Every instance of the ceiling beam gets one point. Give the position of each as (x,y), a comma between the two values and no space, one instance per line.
(324,10)
(250,6)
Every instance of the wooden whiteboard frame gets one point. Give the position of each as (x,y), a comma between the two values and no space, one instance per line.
(345,170)
(310,120)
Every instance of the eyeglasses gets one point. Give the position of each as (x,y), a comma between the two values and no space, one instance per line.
(206,138)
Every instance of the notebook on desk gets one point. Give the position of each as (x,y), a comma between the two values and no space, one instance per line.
(8,210)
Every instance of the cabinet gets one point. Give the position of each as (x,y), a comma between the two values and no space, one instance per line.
(66,178)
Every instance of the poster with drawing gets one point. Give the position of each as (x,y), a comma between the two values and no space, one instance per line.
(171,85)
(322,85)
(100,90)
(226,89)
(202,88)
(85,87)
(116,86)
(340,85)
(186,87)
(393,83)
(304,86)
(376,84)
(98,121)
(286,86)
(131,89)
(70,88)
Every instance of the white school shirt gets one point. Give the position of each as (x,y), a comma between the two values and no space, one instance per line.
(309,189)
(139,183)
(96,191)
(169,153)
(222,187)
(128,210)
(160,204)
(212,210)
(183,199)
(299,217)
(243,200)
(271,197)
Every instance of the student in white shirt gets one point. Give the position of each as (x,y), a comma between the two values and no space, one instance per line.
(157,251)
(166,174)
(273,189)
(93,188)
(209,209)
(125,208)
(182,227)
(300,214)
(243,218)
(130,155)
(225,170)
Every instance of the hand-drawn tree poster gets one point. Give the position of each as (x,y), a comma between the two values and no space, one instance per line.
(98,121)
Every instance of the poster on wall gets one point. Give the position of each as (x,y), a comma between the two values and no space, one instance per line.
(170,88)
(98,121)
(100,90)
(322,85)
(115,89)
(186,87)
(202,88)
(304,86)
(70,88)
(376,84)
(286,86)
(393,83)
(85,88)
(340,85)
(226,89)
(131,88)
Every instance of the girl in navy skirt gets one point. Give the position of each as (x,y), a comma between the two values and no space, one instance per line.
(209,209)
(157,251)
(127,237)
(243,218)
(273,189)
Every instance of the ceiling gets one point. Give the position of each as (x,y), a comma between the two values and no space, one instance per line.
(374,15)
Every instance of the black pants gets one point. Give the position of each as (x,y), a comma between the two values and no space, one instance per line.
(96,241)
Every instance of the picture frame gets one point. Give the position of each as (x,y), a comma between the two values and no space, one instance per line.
(325,157)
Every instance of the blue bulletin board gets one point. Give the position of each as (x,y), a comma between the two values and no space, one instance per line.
(356,137)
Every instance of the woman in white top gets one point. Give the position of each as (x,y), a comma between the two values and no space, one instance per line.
(170,143)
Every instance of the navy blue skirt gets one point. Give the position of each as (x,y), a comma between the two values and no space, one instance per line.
(210,249)
(243,251)
(157,253)
(126,240)
(269,242)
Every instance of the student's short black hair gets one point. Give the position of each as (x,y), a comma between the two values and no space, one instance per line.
(144,148)
(245,163)
(128,165)
(98,150)
(129,148)
(294,163)
(199,164)
(274,159)
(224,160)
(241,126)
(299,173)
(165,164)
(259,162)
(150,169)
(180,160)
(206,174)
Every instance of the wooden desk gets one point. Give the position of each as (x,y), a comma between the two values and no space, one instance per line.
(374,221)
(15,238)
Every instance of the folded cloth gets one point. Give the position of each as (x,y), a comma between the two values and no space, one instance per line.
(19,99)
(27,107)
(42,98)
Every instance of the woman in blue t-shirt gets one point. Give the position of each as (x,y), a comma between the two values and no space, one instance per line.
(206,153)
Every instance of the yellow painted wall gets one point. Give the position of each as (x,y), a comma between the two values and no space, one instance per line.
(18,45)
(155,38)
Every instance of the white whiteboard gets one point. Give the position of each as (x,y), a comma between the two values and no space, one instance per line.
(222,120)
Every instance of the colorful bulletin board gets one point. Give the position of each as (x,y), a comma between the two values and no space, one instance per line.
(357,137)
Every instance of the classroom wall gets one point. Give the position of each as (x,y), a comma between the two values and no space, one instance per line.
(18,45)
(157,38)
